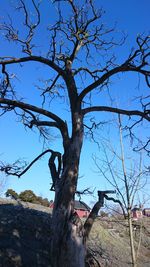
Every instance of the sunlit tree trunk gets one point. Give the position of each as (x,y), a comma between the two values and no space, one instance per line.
(133,256)
(128,198)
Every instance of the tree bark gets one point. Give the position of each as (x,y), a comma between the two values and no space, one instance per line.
(67,246)
(67,242)
(133,256)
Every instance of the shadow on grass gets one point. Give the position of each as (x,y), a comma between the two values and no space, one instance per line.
(24,237)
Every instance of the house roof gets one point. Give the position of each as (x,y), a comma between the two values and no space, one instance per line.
(137,209)
(80,205)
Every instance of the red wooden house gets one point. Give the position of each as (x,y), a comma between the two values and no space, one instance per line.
(137,213)
(81,208)
(146,212)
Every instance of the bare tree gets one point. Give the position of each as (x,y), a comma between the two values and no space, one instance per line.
(126,177)
(74,42)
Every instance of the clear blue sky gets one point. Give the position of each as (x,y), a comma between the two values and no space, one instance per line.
(132,17)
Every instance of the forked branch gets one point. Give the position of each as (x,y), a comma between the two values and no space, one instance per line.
(15,170)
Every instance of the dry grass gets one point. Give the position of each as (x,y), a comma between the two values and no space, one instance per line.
(109,240)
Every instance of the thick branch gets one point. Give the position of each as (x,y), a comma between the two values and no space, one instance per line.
(43,123)
(36,159)
(144,115)
(100,81)
(94,212)
(106,76)
(137,61)
(55,172)
(7,82)
(23,105)
(15,170)
(43,60)
(91,218)
(59,123)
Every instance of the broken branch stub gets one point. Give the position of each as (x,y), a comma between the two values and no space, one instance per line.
(102,194)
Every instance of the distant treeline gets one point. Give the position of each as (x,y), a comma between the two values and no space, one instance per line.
(27,196)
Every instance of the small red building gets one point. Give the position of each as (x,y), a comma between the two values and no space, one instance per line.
(81,208)
(51,204)
(146,212)
(137,213)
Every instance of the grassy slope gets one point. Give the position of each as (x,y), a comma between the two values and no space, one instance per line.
(25,238)
(109,238)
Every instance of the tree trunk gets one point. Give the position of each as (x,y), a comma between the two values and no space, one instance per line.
(67,246)
(133,256)
(67,238)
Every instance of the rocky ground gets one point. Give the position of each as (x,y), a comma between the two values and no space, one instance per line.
(25,239)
